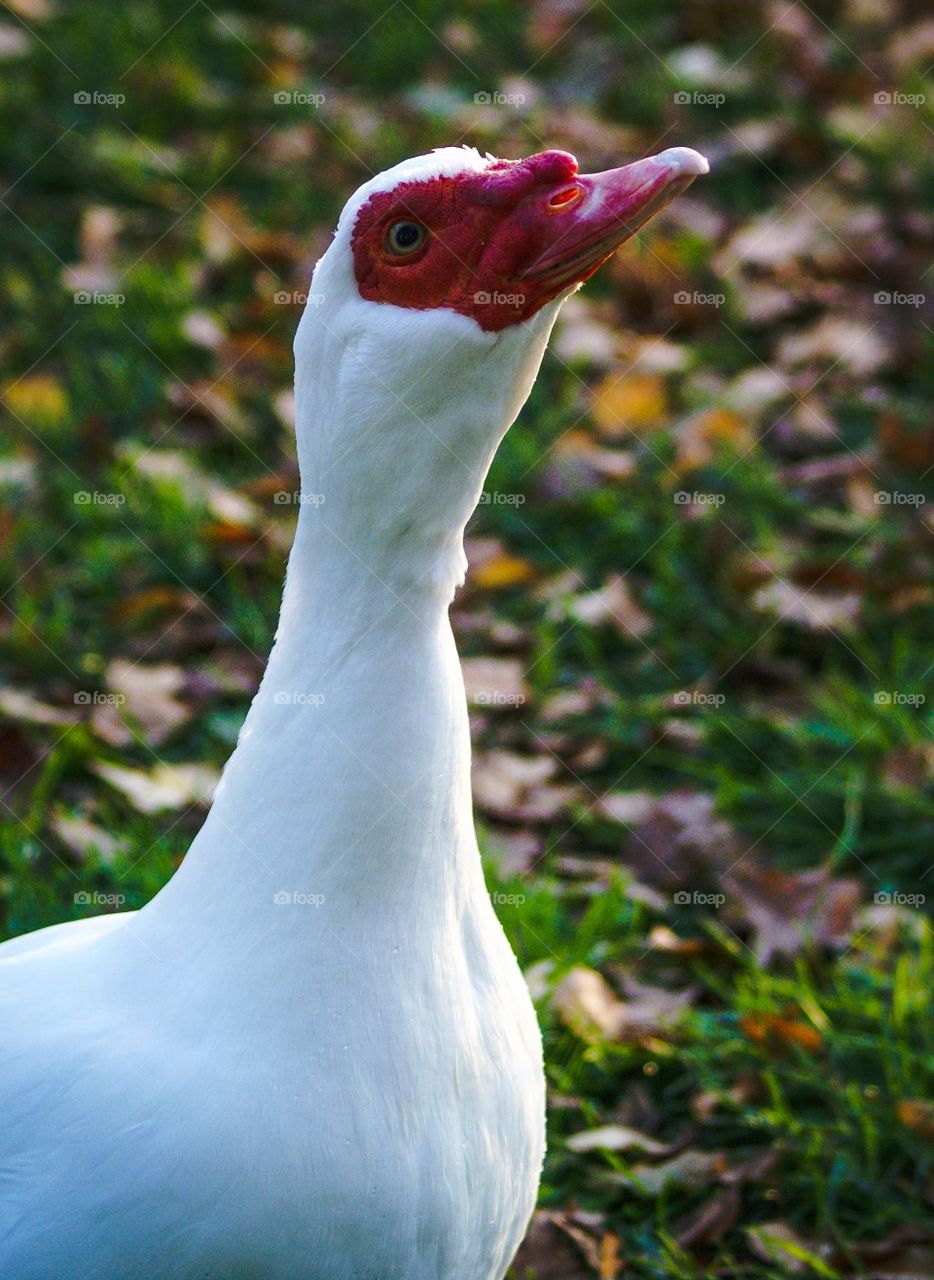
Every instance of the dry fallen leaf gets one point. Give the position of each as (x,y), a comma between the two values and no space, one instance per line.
(787,908)
(492,567)
(615,603)
(21,704)
(689,1169)
(778,1243)
(495,682)
(163,787)
(680,841)
(611,1264)
(917,1114)
(712,1220)
(624,404)
(82,836)
(769,1028)
(587,1004)
(701,437)
(549,1253)
(516,787)
(805,607)
(147,693)
(617,1137)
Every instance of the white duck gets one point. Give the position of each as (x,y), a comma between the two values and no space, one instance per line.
(312,1056)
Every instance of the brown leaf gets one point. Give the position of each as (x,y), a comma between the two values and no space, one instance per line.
(917,1114)
(148,693)
(84,837)
(495,683)
(587,1004)
(161,599)
(617,1137)
(22,704)
(704,435)
(627,807)
(661,938)
(786,909)
(650,1010)
(615,603)
(689,1169)
(548,1252)
(175,786)
(770,1029)
(770,1241)
(712,1220)
(808,608)
(678,840)
(516,787)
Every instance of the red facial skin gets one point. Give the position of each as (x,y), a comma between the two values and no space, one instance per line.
(504,242)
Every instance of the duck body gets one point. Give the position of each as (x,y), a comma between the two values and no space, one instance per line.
(374,1108)
(312,1056)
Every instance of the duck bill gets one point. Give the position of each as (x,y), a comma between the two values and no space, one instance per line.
(588,218)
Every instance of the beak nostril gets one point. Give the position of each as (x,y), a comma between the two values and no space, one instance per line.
(564,198)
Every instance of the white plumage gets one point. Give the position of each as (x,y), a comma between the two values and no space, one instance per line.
(223,1085)
(312,1056)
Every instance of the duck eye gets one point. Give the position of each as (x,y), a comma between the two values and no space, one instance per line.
(405,237)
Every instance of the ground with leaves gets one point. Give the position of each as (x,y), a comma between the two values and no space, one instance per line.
(697,626)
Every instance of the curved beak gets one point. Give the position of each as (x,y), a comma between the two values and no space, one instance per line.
(591,215)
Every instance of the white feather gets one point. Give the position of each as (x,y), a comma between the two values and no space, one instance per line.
(224,1085)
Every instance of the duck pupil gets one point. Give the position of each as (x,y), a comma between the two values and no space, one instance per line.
(406,234)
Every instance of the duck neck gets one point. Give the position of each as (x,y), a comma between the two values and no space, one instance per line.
(349,791)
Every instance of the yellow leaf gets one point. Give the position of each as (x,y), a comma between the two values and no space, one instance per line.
(705,434)
(38,398)
(628,403)
(502,571)
(610,1262)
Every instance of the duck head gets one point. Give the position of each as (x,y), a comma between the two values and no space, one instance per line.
(429,314)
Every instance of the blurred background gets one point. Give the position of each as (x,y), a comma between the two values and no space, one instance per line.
(697,630)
